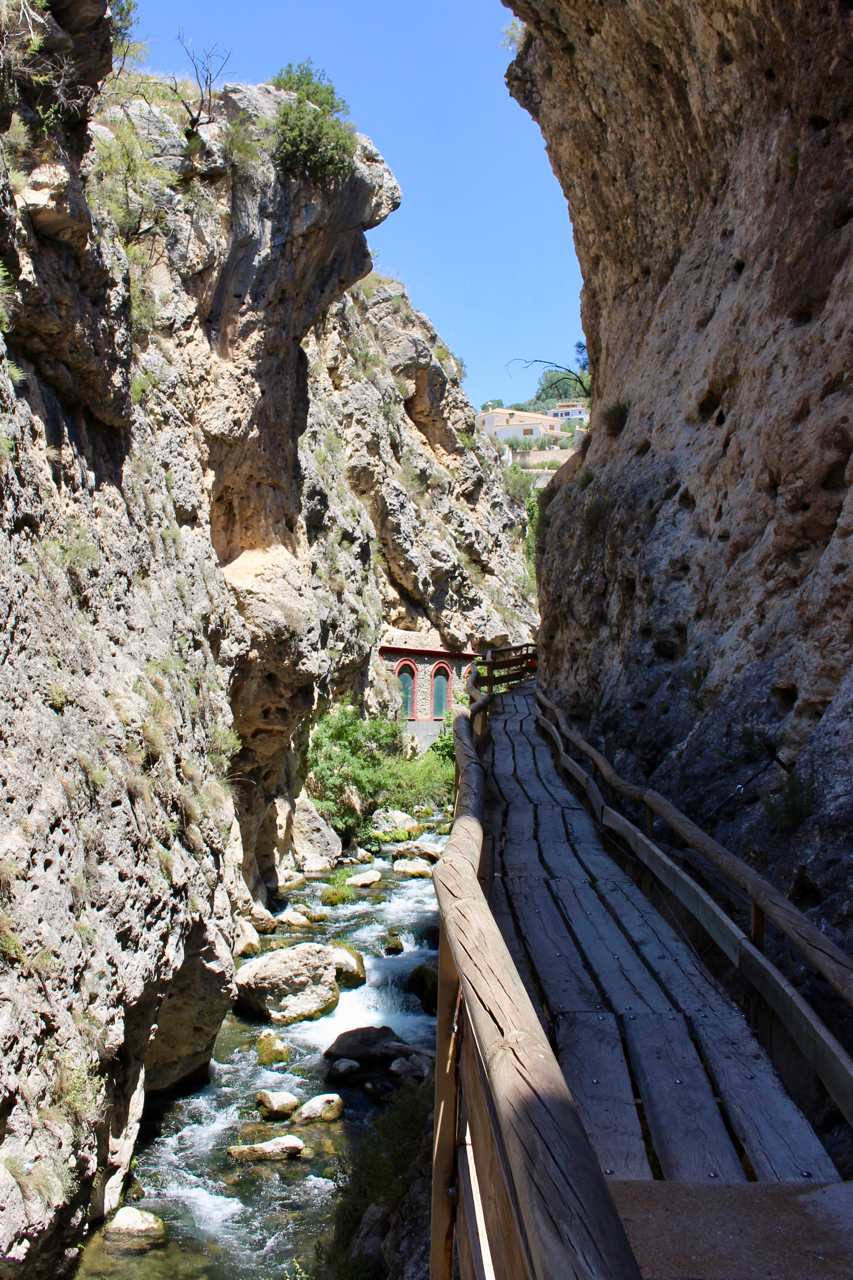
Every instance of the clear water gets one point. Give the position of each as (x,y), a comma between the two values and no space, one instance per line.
(227,1220)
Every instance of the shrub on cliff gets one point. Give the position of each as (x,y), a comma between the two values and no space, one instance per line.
(312,136)
(356,764)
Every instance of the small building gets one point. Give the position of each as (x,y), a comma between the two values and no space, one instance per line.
(502,424)
(426,676)
(570,410)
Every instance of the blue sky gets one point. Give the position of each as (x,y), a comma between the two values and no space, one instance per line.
(482,239)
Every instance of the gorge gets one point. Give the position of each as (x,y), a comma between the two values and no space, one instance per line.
(235,460)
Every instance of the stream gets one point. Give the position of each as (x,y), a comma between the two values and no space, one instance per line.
(229,1220)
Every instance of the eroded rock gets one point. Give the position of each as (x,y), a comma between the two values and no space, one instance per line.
(349,966)
(325,1106)
(276,1104)
(286,1147)
(290,984)
(271,1049)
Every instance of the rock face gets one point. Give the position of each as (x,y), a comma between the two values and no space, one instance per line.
(696,580)
(316,847)
(186,441)
(289,984)
(189,1018)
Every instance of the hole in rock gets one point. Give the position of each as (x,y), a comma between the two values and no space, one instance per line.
(769,74)
(739,266)
(642,449)
(686,500)
(842,216)
(720,418)
(784,698)
(818,123)
(709,403)
(833,481)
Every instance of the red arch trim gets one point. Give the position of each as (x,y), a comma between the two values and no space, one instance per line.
(407,662)
(443,667)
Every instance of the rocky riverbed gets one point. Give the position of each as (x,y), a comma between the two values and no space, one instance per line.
(224,1216)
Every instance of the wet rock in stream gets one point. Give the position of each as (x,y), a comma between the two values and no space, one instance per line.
(277,1104)
(349,966)
(289,984)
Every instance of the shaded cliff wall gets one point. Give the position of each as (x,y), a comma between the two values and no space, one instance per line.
(696,583)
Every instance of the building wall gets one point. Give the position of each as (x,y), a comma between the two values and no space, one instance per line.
(425,666)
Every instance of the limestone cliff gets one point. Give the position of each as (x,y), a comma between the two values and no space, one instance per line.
(167,634)
(696,582)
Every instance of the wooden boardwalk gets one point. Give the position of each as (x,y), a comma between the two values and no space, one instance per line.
(604,1110)
(669,1080)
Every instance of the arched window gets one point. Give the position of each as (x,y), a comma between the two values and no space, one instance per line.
(440,691)
(406,681)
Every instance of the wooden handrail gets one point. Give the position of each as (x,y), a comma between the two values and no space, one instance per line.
(566,1224)
(826,957)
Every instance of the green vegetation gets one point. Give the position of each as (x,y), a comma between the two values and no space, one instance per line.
(788,808)
(312,136)
(615,416)
(337,890)
(518,482)
(513,36)
(519,444)
(356,764)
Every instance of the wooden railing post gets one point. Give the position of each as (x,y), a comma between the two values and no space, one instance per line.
(446,1112)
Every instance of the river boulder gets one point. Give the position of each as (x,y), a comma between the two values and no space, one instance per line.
(423,983)
(325,1106)
(247,942)
(370,1044)
(284,1148)
(289,984)
(271,1049)
(414,868)
(364,879)
(135,1224)
(316,847)
(349,966)
(276,1104)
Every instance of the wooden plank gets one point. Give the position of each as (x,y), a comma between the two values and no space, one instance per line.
(504,758)
(688,1133)
(779,1141)
(550,777)
(446,1113)
(827,958)
(554,849)
(558,967)
(619,971)
(589,1050)
(504,1229)
(595,798)
(520,855)
(526,773)
(472,1242)
(500,907)
(569,1219)
(816,1042)
(713,919)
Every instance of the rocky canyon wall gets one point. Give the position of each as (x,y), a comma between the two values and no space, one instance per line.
(696,581)
(220,479)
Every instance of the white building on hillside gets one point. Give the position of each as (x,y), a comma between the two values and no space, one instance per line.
(505,423)
(577,410)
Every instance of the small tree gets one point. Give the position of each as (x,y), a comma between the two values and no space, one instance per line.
(207,68)
(313,137)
